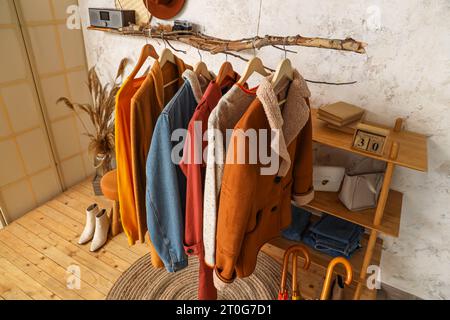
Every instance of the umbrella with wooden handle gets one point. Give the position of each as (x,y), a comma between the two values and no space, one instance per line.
(328,280)
(294,251)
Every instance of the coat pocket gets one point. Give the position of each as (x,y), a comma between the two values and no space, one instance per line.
(254,221)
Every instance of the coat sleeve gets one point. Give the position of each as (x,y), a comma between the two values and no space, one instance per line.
(163,201)
(236,205)
(303,190)
(191,165)
(214,163)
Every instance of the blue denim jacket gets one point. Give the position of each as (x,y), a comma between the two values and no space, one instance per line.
(166,183)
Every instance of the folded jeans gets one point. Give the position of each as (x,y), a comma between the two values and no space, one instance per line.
(333,252)
(337,229)
(338,245)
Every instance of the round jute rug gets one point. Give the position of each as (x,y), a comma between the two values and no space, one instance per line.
(143,282)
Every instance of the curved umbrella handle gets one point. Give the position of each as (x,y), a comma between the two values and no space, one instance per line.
(294,250)
(327,284)
(299,249)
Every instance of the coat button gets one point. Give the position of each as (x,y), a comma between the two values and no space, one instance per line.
(278,180)
(190,251)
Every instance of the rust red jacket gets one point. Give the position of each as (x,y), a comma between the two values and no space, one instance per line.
(193,166)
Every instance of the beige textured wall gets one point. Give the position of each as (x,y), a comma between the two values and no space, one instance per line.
(404,74)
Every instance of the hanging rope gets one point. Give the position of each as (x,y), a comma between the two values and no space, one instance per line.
(259,17)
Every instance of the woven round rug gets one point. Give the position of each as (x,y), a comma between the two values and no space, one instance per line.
(143,282)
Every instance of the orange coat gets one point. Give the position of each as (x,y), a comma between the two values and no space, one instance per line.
(255,207)
(137,100)
(146,106)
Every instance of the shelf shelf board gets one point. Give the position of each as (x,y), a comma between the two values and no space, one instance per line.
(328,202)
(278,246)
(412,153)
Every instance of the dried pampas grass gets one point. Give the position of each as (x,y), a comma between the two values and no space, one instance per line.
(100,112)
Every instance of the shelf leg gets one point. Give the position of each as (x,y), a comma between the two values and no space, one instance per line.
(374,234)
(366,263)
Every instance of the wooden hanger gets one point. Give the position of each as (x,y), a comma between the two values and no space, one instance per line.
(225,71)
(254,65)
(166,56)
(148,51)
(202,70)
(284,70)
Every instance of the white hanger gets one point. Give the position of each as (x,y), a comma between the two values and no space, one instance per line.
(166,56)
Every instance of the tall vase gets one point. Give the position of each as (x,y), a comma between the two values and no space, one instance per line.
(102,163)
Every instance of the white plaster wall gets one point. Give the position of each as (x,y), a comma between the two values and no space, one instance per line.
(406,73)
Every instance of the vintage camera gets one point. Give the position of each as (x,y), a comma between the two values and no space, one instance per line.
(182,25)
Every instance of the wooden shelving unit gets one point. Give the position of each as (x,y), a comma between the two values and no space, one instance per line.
(412,146)
(405,149)
(329,202)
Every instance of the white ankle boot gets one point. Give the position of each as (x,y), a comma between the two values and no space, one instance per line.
(89,229)
(102,224)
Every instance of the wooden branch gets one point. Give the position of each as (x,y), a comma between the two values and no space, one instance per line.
(230,47)
(216,45)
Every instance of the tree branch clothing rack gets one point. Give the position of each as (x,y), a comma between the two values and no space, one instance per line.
(215,45)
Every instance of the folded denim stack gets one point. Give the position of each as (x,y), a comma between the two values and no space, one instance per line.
(300,222)
(335,237)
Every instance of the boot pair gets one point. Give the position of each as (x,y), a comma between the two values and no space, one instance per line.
(96,229)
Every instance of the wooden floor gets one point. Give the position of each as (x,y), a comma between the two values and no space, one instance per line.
(37,250)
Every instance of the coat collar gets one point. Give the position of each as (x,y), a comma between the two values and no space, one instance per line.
(215,90)
(198,84)
(286,123)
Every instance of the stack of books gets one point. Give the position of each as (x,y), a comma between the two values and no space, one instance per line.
(341,116)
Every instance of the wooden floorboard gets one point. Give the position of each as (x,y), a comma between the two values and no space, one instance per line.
(16,277)
(45,263)
(37,250)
